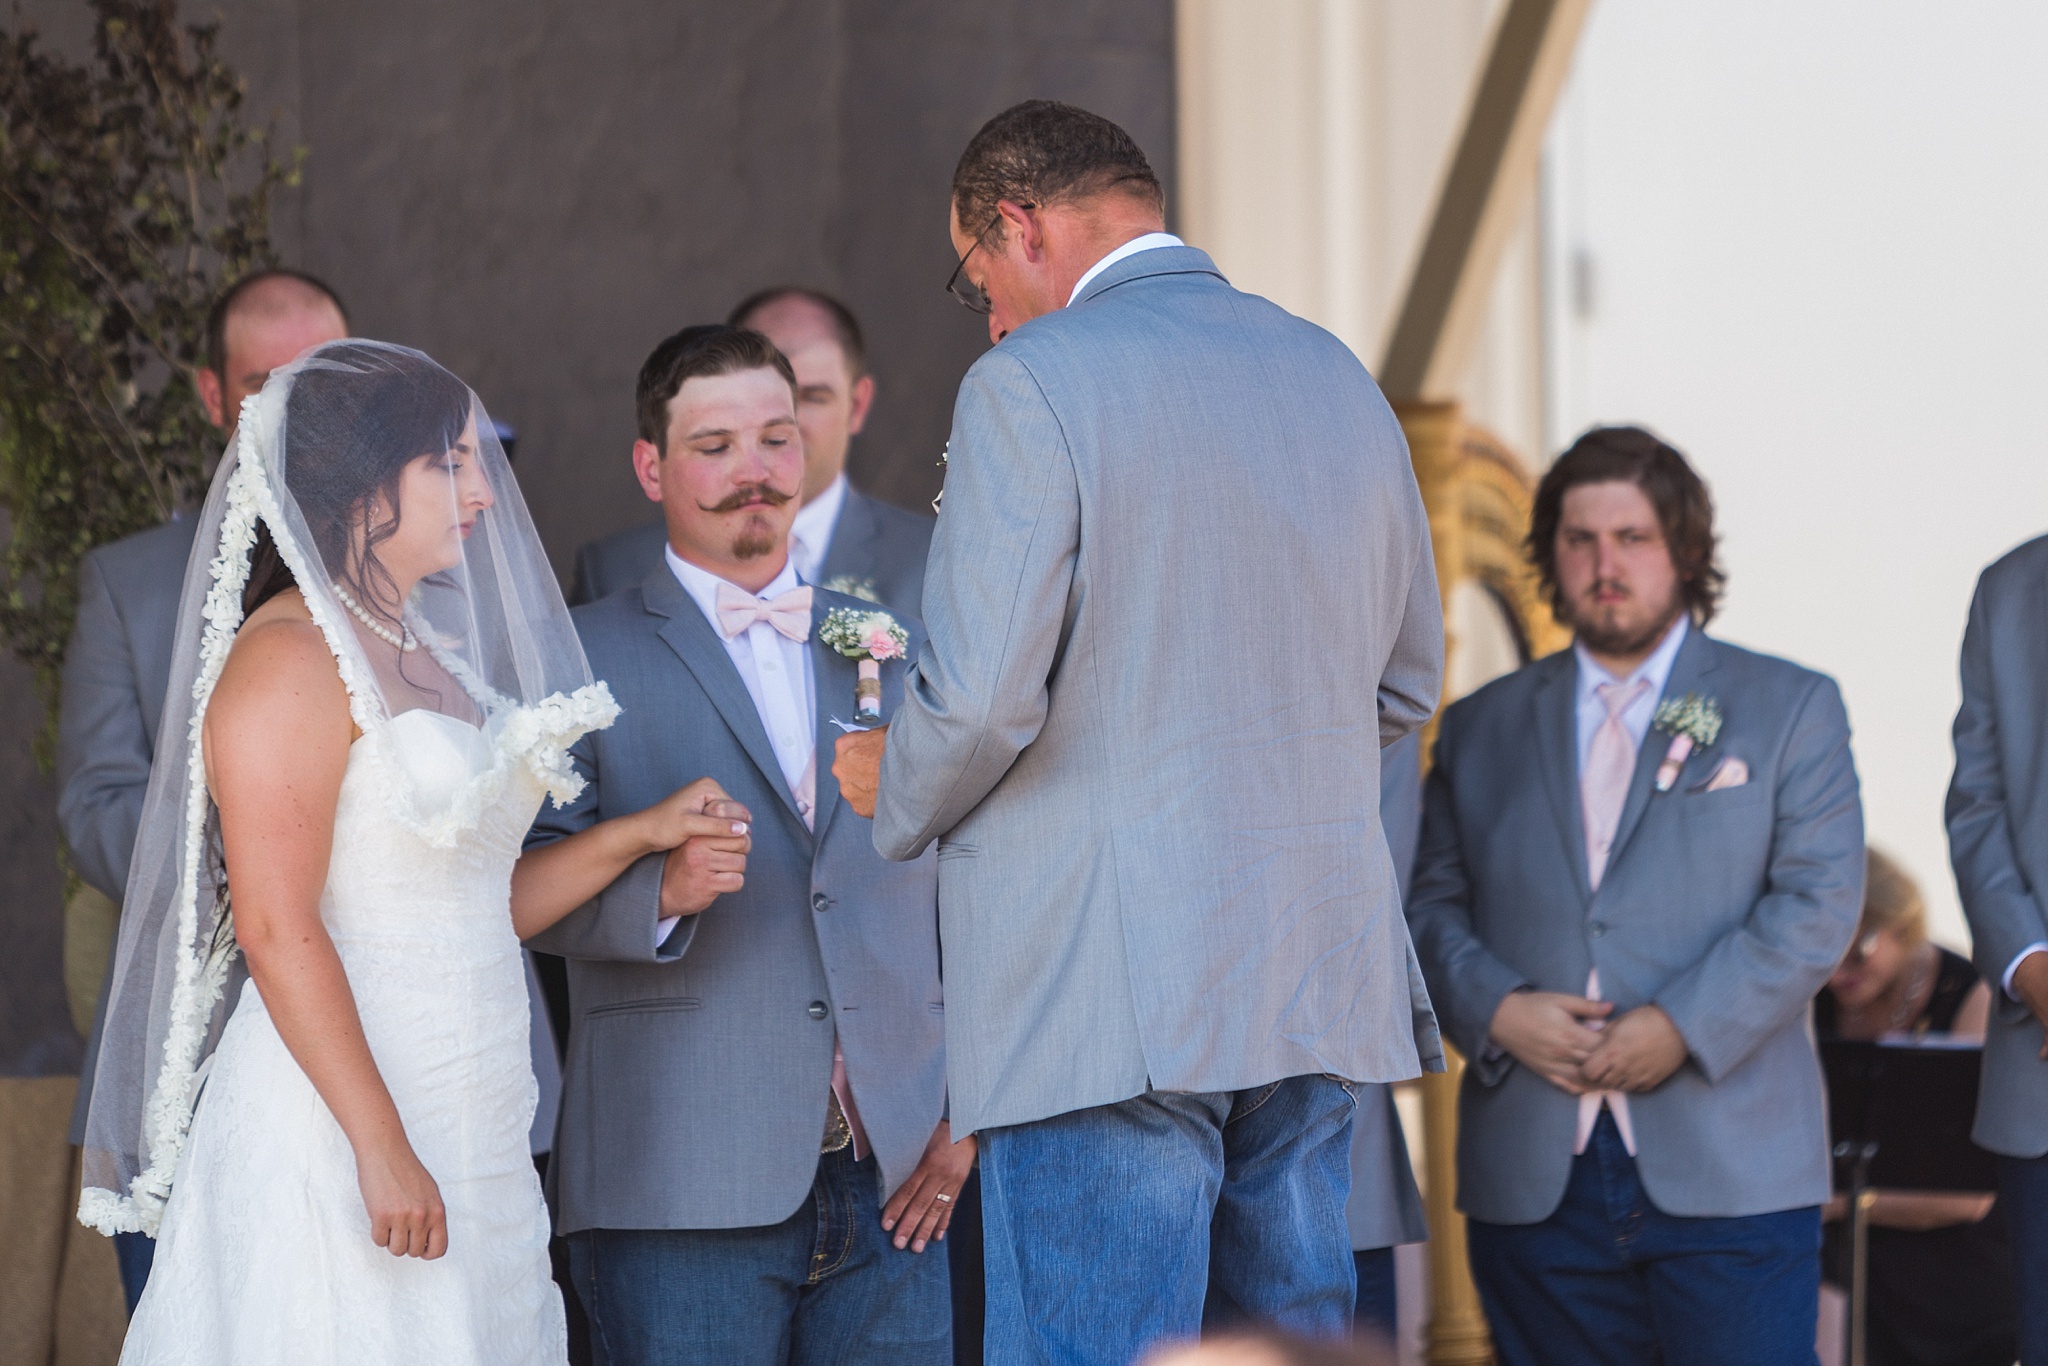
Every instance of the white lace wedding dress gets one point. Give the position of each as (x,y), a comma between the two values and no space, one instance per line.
(264,1255)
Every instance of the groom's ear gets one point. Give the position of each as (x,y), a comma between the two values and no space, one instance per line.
(647,468)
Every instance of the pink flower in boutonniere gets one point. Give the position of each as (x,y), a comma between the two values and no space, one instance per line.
(867,638)
(882,641)
(1694,722)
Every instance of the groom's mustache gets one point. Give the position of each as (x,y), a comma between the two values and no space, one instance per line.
(747,494)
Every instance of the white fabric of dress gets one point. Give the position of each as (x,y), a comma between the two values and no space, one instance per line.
(264,1253)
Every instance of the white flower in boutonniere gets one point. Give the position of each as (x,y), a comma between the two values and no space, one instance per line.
(867,638)
(1693,721)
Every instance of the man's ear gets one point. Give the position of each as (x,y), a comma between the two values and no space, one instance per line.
(1019,222)
(647,459)
(863,398)
(210,395)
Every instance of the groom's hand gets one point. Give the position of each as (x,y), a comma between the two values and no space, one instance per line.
(857,764)
(922,1206)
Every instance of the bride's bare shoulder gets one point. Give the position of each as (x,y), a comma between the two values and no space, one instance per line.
(280,679)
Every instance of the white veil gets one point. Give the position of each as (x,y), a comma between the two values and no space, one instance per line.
(316,471)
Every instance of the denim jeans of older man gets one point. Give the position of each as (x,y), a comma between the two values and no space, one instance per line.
(1113,1228)
(2023,1193)
(1611,1280)
(824,1285)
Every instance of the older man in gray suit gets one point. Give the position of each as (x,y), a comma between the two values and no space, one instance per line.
(1180,596)
(842,539)
(117,666)
(1640,860)
(1998,841)
(753,1152)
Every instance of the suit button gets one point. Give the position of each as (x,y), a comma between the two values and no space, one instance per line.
(819,901)
(1598,927)
(818,1010)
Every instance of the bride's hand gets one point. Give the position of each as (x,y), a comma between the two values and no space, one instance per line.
(406,1213)
(699,811)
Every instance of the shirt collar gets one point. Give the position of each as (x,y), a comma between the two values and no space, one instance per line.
(702,584)
(1147,242)
(814,523)
(1656,669)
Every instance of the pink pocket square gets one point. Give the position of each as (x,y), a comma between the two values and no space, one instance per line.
(1732,772)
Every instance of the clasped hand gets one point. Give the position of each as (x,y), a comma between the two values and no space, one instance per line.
(857,764)
(1572,1043)
(706,834)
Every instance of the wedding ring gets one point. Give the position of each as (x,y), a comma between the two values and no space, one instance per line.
(943,1198)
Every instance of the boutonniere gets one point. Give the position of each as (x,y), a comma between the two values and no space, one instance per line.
(867,638)
(1694,722)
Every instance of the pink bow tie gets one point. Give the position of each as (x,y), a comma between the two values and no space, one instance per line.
(789,613)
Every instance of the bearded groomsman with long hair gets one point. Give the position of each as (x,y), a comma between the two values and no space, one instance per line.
(1640,860)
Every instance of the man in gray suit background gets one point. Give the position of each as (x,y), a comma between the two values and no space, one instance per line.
(1180,596)
(1998,842)
(1624,910)
(843,539)
(753,1156)
(117,665)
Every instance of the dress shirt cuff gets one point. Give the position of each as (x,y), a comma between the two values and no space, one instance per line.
(2014,966)
(665,927)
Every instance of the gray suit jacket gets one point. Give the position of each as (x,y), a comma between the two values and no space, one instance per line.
(874,544)
(1998,830)
(1385,1208)
(1180,595)
(698,1071)
(1728,909)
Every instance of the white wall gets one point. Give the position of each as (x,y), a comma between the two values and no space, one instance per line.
(1813,236)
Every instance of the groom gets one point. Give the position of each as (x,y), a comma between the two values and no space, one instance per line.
(1180,595)
(752,1153)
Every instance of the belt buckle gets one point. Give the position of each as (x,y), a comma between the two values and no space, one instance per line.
(838,1133)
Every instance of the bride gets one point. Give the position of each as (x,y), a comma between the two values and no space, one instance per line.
(375,686)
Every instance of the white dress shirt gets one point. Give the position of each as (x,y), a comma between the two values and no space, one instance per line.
(1147,242)
(1591,712)
(810,536)
(776,670)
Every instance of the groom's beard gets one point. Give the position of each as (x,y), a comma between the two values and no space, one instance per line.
(756,536)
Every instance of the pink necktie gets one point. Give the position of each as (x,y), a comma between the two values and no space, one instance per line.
(789,613)
(1603,790)
(1610,767)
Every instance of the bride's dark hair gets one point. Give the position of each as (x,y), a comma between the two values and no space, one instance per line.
(357,416)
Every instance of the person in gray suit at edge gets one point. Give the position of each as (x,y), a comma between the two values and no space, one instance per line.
(117,666)
(1180,595)
(1385,1209)
(753,1150)
(1998,842)
(843,539)
(1641,858)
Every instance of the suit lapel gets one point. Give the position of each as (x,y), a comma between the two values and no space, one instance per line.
(832,679)
(1696,659)
(1556,724)
(847,551)
(690,635)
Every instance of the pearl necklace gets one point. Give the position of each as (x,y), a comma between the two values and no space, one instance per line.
(407,642)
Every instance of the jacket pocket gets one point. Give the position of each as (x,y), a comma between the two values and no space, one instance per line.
(651,1006)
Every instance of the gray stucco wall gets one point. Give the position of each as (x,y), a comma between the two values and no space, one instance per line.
(535,192)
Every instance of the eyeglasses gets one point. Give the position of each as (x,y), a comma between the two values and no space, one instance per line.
(972,296)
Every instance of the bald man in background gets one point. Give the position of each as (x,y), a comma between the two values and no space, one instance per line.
(117,667)
(843,539)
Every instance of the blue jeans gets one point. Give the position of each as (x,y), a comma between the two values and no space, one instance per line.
(1378,1296)
(823,1286)
(2023,1193)
(1116,1227)
(134,1253)
(1609,1278)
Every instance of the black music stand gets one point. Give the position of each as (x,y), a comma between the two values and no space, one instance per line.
(1900,1114)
